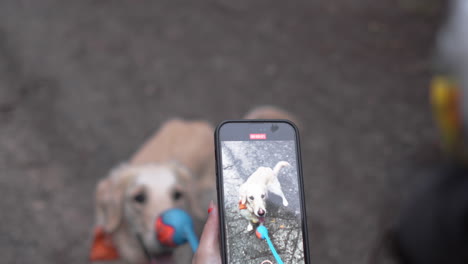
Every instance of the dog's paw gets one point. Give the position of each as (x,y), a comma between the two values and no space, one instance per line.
(285,203)
(249,227)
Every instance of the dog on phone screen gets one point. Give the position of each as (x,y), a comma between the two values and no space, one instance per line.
(254,191)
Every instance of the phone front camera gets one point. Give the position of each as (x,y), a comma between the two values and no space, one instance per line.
(274,128)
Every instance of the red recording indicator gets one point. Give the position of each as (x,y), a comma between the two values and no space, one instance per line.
(257,136)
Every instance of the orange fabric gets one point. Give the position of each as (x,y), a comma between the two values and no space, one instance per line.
(103,248)
(242,206)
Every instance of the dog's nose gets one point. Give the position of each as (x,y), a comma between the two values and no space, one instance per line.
(261,212)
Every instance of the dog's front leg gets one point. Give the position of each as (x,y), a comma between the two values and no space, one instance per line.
(249,227)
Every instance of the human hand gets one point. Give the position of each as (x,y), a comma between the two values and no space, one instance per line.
(208,250)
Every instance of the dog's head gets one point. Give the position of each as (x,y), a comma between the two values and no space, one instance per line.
(128,203)
(254,196)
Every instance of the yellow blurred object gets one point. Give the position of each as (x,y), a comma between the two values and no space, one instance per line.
(446,106)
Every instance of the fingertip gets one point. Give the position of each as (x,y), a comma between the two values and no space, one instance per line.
(213,215)
(210,231)
(210,207)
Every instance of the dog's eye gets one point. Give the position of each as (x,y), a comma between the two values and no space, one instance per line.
(251,197)
(140,198)
(263,196)
(176,195)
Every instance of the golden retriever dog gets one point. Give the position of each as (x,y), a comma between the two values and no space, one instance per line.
(254,191)
(174,168)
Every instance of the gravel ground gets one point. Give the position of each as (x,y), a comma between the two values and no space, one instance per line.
(83,83)
(240,160)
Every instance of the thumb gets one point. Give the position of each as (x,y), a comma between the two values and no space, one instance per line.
(210,235)
(208,250)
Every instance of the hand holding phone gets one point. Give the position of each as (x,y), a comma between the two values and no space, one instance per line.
(208,250)
(259,181)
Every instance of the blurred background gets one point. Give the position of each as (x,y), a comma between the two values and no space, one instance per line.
(84,83)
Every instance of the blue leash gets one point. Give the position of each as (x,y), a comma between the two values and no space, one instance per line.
(262,233)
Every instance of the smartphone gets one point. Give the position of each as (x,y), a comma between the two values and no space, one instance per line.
(260,187)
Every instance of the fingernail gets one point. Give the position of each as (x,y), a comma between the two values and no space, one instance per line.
(210,207)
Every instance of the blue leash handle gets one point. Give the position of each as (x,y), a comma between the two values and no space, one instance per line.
(263,231)
(180,224)
(191,237)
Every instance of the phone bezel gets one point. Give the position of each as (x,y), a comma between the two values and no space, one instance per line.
(220,184)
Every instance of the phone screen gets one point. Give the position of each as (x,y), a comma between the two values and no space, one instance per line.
(260,185)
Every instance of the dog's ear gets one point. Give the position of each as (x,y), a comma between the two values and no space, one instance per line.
(108,202)
(242,195)
(108,205)
(109,198)
(190,187)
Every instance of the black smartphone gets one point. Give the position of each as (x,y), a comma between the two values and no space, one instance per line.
(260,189)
